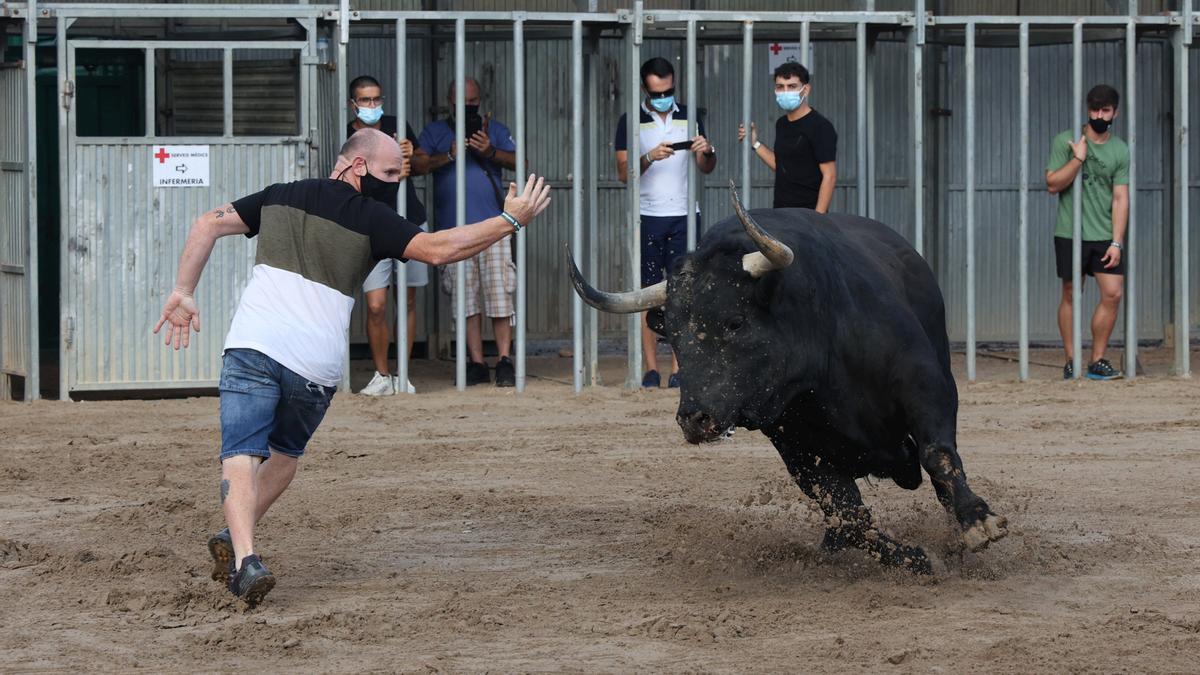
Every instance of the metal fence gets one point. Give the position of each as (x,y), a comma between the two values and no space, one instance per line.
(963,182)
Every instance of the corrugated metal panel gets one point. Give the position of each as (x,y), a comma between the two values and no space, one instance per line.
(14,226)
(123,244)
(996,192)
(1194,190)
(266,92)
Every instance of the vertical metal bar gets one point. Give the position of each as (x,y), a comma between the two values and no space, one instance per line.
(593,194)
(1130,252)
(65,82)
(860,81)
(151,115)
(970,198)
(805,42)
(918,129)
(460,201)
(1023,208)
(1182,217)
(692,126)
(519,137)
(633,378)
(1077,213)
(1187,22)
(577,194)
(401,99)
(227,91)
(870,137)
(747,112)
(343,97)
(307,75)
(33,375)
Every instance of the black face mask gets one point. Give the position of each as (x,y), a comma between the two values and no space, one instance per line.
(381,191)
(1099,125)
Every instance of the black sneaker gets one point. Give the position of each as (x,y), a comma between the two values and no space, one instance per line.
(1102,370)
(506,373)
(478,373)
(673,381)
(651,380)
(220,547)
(253,581)
(1069,370)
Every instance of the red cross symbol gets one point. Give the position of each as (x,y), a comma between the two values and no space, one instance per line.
(776,48)
(161,155)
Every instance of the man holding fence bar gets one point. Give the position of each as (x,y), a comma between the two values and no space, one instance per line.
(285,351)
(366,102)
(805,156)
(491,276)
(1104,160)
(663,134)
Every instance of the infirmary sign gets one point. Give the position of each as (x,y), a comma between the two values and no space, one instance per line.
(180,165)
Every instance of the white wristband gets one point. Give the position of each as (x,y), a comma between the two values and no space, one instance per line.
(757,145)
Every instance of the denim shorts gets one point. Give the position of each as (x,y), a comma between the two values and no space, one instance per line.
(266,407)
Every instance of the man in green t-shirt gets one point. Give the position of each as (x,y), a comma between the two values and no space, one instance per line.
(1104,160)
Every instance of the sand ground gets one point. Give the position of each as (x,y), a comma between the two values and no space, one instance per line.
(489,531)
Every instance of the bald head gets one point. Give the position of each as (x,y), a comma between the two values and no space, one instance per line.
(367,143)
(369,151)
(472,93)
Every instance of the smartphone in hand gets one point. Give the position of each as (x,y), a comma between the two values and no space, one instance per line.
(682,145)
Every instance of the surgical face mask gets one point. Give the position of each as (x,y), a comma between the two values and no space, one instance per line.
(370,116)
(789,100)
(664,104)
(1100,125)
(379,190)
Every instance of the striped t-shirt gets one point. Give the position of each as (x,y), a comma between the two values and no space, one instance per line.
(317,240)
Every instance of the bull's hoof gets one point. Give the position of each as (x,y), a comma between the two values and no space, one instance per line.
(835,540)
(911,558)
(991,528)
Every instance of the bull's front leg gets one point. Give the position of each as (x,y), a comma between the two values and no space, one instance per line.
(849,522)
(980,526)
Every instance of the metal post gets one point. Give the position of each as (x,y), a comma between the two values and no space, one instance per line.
(918,129)
(805,30)
(747,118)
(1023,209)
(343,96)
(65,83)
(1182,275)
(1131,304)
(577,193)
(227,91)
(970,198)
(402,207)
(151,109)
(592,315)
(33,374)
(633,378)
(692,126)
(1077,212)
(519,137)
(460,201)
(869,139)
(860,80)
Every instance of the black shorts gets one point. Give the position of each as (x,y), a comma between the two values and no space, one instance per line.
(1090,258)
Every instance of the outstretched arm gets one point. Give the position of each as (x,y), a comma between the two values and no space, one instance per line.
(180,309)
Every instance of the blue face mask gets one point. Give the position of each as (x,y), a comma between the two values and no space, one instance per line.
(789,100)
(370,116)
(663,104)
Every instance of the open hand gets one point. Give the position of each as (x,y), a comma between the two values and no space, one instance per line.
(534,199)
(179,312)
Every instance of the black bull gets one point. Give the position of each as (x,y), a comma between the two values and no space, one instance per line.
(840,358)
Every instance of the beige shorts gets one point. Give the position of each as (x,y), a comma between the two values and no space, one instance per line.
(491,271)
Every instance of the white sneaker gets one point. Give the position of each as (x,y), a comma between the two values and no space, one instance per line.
(380,385)
(396,385)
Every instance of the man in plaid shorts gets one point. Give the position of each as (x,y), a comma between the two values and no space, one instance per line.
(491,276)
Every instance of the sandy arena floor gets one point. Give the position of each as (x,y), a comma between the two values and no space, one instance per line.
(489,531)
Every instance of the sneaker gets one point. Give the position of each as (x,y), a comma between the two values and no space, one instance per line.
(220,547)
(506,374)
(380,385)
(396,385)
(253,581)
(477,373)
(651,380)
(1069,370)
(673,381)
(1102,370)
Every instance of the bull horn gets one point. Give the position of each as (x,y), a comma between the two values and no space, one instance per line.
(617,303)
(772,254)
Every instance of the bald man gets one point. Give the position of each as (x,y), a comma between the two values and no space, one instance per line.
(284,353)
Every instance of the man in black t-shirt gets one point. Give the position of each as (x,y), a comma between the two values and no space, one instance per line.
(366,102)
(285,350)
(805,156)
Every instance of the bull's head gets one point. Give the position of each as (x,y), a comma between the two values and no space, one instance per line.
(718,319)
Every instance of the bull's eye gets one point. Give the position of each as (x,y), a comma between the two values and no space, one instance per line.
(732,324)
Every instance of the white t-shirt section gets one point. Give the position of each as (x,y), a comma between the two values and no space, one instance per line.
(299,323)
(664,184)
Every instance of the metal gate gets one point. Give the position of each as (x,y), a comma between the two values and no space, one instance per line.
(122,236)
(17,214)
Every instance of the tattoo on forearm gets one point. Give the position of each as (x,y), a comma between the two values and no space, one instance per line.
(219,213)
(224,490)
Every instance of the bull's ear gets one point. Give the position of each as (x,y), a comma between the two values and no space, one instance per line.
(656,321)
(767,286)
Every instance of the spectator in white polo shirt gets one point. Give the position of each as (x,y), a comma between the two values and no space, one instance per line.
(662,134)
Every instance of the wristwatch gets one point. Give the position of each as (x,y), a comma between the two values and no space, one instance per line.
(710,152)
(757,145)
